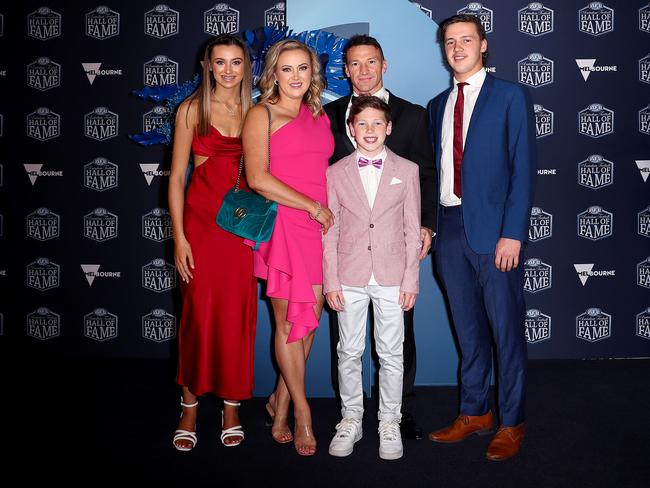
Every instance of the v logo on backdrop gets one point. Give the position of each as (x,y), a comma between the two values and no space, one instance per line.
(585,66)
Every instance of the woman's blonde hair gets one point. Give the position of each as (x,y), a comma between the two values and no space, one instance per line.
(268,88)
(208,83)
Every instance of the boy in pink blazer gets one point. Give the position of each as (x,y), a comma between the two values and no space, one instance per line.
(371,253)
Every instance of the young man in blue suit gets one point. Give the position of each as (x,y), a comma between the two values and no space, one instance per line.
(483,138)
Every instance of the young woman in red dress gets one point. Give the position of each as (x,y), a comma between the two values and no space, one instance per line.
(217,330)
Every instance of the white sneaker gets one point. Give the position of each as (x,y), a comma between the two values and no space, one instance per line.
(348,431)
(390,440)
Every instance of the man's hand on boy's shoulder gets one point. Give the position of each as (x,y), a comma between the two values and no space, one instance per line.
(335,300)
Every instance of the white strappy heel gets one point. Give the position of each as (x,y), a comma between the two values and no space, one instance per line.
(185,435)
(236,431)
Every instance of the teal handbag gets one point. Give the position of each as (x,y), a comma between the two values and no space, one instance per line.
(247,214)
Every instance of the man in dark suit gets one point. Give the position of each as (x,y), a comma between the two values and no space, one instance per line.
(484,141)
(365,66)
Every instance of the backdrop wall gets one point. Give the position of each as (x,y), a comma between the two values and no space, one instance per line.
(86,266)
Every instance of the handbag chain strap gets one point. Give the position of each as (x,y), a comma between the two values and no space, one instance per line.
(241,159)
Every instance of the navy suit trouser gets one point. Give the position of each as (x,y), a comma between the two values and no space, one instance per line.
(487,305)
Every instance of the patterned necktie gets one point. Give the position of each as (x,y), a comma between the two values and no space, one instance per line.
(458,137)
(363,162)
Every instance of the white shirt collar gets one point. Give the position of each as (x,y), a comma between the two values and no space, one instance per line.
(475,81)
(382,94)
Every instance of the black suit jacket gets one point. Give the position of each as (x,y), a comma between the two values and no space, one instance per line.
(408,139)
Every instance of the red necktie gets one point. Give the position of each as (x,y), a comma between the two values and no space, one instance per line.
(458,137)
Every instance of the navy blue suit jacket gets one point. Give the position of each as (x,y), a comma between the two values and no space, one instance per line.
(499,163)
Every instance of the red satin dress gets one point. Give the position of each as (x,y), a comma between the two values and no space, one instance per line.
(216,337)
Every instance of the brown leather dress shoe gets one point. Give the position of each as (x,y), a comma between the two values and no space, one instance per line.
(463,427)
(506,443)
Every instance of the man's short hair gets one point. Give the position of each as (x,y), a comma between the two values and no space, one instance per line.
(455,19)
(361,40)
(362,102)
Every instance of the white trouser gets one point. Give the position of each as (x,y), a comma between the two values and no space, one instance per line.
(389,338)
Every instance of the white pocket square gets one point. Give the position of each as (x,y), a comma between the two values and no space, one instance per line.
(395,181)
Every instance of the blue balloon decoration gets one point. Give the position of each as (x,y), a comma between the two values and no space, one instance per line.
(173,96)
(328,47)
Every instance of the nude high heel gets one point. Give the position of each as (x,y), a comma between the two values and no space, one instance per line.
(269,419)
(269,414)
(304,431)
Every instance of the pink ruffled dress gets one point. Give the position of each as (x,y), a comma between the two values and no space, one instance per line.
(291,261)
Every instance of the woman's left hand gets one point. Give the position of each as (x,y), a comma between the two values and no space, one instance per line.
(325,218)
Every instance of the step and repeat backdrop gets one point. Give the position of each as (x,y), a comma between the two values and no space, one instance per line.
(86,266)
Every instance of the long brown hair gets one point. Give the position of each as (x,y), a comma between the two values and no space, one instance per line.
(269,89)
(202,94)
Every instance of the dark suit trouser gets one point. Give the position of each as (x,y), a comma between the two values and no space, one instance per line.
(483,300)
(408,393)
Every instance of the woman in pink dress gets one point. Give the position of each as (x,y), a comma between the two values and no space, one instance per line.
(291,262)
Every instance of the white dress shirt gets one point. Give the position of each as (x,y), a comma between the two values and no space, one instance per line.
(382,94)
(370,177)
(471,92)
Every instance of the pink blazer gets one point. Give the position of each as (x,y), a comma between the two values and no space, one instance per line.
(384,240)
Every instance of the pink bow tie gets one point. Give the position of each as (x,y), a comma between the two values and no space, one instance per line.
(364,162)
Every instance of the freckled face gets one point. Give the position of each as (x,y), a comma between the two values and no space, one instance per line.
(370,129)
